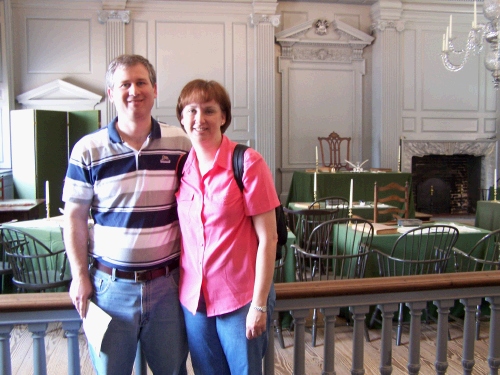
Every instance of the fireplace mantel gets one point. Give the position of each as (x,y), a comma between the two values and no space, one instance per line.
(486,148)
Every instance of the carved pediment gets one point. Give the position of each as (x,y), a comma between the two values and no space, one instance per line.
(323,40)
(59,95)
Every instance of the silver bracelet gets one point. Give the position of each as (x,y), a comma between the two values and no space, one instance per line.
(262,309)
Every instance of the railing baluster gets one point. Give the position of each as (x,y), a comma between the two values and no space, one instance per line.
(415,330)
(71,330)
(38,331)
(494,349)
(5,365)
(470,307)
(443,309)
(387,313)
(269,358)
(358,359)
(299,360)
(330,316)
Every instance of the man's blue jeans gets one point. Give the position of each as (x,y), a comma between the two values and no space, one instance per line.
(149,312)
(218,345)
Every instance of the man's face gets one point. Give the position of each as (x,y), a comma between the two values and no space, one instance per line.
(132,93)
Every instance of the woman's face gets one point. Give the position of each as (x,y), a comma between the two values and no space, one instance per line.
(203,121)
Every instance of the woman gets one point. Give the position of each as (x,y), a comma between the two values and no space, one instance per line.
(228,240)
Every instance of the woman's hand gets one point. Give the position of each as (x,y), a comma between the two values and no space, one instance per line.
(256,323)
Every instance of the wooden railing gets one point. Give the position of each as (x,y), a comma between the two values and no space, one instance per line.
(37,310)
(388,292)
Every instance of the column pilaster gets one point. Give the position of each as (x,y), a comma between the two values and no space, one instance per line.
(386,95)
(115,21)
(265,108)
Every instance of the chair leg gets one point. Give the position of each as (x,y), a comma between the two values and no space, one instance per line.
(314,327)
(373,319)
(367,334)
(478,322)
(279,332)
(400,325)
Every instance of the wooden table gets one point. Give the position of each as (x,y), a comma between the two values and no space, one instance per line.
(488,214)
(338,184)
(364,211)
(21,209)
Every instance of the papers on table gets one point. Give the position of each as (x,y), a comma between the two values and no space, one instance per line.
(378,228)
(462,228)
(95,325)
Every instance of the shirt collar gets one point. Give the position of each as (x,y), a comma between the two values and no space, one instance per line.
(223,157)
(114,136)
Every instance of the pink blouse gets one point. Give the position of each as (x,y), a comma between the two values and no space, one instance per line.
(219,243)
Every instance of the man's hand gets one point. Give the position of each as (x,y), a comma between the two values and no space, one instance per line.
(80,292)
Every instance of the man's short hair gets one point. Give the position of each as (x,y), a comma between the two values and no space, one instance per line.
(127,61)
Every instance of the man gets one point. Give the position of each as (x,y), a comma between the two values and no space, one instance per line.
(124,175)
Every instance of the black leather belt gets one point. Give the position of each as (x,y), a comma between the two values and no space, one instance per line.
(138,276)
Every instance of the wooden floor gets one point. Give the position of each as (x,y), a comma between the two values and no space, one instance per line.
(22,360)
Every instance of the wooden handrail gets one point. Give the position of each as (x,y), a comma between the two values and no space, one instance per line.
(392,284)
(35,302)
(313,289)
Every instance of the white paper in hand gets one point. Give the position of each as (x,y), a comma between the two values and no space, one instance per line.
(95,326)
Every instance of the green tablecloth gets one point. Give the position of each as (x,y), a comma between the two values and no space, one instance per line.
(466,240)
(384,242)
(338,184)
(47,231)
(488,214)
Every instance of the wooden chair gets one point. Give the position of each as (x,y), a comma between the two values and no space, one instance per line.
(484,256)
(2,189)
(334,151)
(422,250)
(333,203)
(302,222)
(5,267)
(35,267)
(395,195)
(329,255)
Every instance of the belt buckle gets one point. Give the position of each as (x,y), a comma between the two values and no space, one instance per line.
(138,275)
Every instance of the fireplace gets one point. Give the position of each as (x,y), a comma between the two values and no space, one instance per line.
(447,176)
(446,184)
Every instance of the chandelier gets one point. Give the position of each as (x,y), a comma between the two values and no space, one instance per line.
(479,33)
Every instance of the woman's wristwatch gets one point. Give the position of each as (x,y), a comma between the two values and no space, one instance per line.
(262,309)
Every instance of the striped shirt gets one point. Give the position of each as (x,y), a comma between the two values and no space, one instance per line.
(131,195)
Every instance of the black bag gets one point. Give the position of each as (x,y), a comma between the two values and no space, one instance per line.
(238,169)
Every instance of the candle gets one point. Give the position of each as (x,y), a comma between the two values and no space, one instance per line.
(350,194)
(316,156)
(47,195)
(474,22)
(315,183)
(444,43)
(446,39)
(495,180)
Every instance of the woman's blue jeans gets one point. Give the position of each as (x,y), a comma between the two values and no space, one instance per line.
(218,345)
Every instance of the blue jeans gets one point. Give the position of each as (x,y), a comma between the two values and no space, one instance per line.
(218,344)
(149,312)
